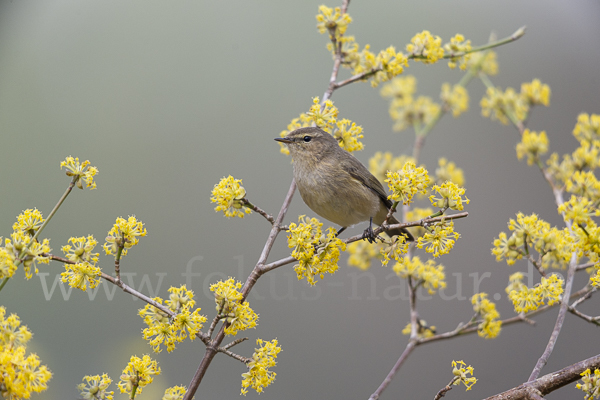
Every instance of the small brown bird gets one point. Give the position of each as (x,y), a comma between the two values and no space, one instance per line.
(335,185)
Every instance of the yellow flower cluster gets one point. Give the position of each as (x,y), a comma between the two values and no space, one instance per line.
(455,98)
(345,131)
(407,182)
(587,127)
(528,299)
(361,254)
(332,20)
(584,184)
(448,171)
(95,387)
(174,393)
(381,163)
(137,374)
(259,376)
(80,172)
(553,245)
(450,196)
(423,331)
(532,145)
(425,47)
(404,110)
(579,210)
(84,272)
(161,330)
(439,239)
(490,324)
(123,235)
(429,275)
(486,62)
(513,106)
(228,194)
(20,246)
(396,249)
(460,370)
(316,252)
(238,315)
(458,45)
(20,374)
(590,384)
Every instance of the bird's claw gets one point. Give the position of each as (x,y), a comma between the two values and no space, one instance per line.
(369,235)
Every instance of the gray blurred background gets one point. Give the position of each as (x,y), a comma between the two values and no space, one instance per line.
(167,97)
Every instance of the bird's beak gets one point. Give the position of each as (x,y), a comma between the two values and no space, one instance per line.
(284,140)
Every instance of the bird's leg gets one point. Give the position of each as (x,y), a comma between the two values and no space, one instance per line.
(342,229)
(368,233)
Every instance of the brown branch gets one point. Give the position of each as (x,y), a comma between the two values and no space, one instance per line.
(550,382)
(259,210)
(388,379)
(445,389)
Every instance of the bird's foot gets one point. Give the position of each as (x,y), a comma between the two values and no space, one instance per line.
(369,234)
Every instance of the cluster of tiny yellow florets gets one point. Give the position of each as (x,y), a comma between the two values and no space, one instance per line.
(138,373)
(590,384)
(21,246)
(84,272)
(532,145)
(20,374)
(513,106)
(450,196)
(490,324)
(579,210)
(527,299)
(407,111)
(484,62)
(80,171)
(425,47)
(407,182)
(259,376)
(530,232)
(332,20)
(423,331)
(361,253)
(174,393)
(461,371)
(395,249)
(229,307)
(428,274)
(169,331)
(448,171)
(455,98)
(439,239)
(458,45)
(587,127)
(325,117)
(228,194)
(95,387)
(316,252)
(584,184)
(123,235)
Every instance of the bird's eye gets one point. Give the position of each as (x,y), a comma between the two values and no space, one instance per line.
(307,138)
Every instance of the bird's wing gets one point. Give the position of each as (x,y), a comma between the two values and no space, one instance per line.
(363,175)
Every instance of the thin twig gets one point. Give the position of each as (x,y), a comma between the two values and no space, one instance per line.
(259,210)
(388,379)
(445,389)
(235,343)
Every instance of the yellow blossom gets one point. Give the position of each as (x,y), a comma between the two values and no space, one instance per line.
(259,376)
(228,194)
(584,184)
(455,98)
(400,90)
(30,252)
(425,47)
(381,163)
(81,274)
(439,239)
(590,384)
(561,171)
(238,315)
(396,249)
(94,387)
(124,234)
(485,62)
(536,93)
(316,252)
(80,171)
(7,263)
(361,254)
(423,331)
(29,221)
(407,182)
(450,196)
(461,370)
(490,324)
(579,210)
(504,106)
(138,373)
(458,45)
(174,393)
(332,20)
(417,113)
(325,118)
(80,249)
(532,144)
(587,127)
(428,274)
(347,134)
(587,155)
